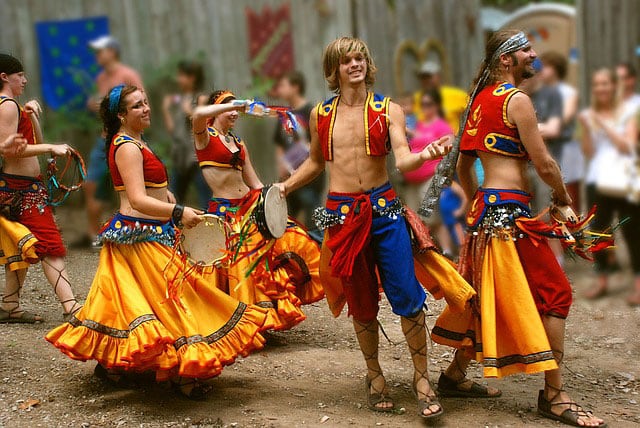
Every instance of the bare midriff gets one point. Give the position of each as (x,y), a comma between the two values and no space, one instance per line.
(225,183)
(502,172)
(28,167)
(159,193)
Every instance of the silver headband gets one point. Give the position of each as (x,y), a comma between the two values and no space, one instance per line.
(447,166)
(512,44)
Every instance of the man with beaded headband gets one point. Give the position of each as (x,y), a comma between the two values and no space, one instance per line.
(28,231)
(367,243)
(517,321)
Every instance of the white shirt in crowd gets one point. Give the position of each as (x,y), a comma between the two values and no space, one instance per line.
(604,149)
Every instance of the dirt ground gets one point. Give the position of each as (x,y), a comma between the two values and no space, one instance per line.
(312,375)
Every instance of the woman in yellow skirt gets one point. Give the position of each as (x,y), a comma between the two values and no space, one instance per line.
(278,274)
(134,320)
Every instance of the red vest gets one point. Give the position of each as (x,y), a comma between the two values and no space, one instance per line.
(155,174)
(25,127)
(376,125)
(488,129)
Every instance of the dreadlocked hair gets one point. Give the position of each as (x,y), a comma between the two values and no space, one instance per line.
(496,39)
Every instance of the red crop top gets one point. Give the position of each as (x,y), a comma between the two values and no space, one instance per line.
(488,128)
(219,155)
(155,173)
(25,127)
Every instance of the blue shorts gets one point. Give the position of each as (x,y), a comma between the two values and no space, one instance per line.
(388,252)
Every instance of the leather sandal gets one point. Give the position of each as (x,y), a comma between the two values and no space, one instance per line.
(448,387)
(426,403)
(25,317)
(570,416)
(375,398)
(197,392)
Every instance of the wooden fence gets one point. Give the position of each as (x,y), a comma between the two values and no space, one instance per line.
(154,33)
(608,33)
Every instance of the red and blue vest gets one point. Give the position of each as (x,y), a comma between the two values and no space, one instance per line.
(376,125)
(488,128)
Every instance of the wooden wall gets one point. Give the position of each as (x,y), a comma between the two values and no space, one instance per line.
(154,31)
(608,33)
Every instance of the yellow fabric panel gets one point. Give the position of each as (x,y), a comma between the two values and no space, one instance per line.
(17,245)
(509,334)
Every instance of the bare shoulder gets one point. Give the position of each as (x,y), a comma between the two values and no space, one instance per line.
(519,106)
(8,110)
(395,111)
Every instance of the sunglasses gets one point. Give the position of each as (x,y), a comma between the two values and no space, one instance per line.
(427,103)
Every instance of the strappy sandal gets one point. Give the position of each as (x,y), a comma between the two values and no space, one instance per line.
(66,316)
(427,402)
(197,392)
(570,416)
(375,398)
(448,387)
(25,317)
(116,379)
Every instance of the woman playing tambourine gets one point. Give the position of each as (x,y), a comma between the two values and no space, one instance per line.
(277,274)
(131,321)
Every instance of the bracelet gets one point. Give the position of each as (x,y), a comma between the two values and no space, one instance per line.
(176,215)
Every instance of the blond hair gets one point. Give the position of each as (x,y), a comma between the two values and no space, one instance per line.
(336,51)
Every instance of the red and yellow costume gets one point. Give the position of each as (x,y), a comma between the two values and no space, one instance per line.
(506,259)
(28,230)
(367,243)
(128,321)
(280,274)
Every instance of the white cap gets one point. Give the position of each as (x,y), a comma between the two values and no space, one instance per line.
(104,42)
(429,67)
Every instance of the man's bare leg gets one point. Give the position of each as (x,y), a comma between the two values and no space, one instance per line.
(457,371)
(56,273)
(554,386)
(367,334)
(10,303)
(415,333)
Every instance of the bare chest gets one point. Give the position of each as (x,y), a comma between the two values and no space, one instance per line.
(348,131)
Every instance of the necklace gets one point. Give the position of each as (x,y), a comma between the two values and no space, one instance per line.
(342,101)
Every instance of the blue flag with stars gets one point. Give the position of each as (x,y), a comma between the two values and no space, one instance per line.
(67,64)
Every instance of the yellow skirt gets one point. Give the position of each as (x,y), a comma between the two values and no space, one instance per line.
(17,245)
(128,322)
(505,332)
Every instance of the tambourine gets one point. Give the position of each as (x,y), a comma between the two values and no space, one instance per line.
(205,243)
(271,213)
(61,181)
